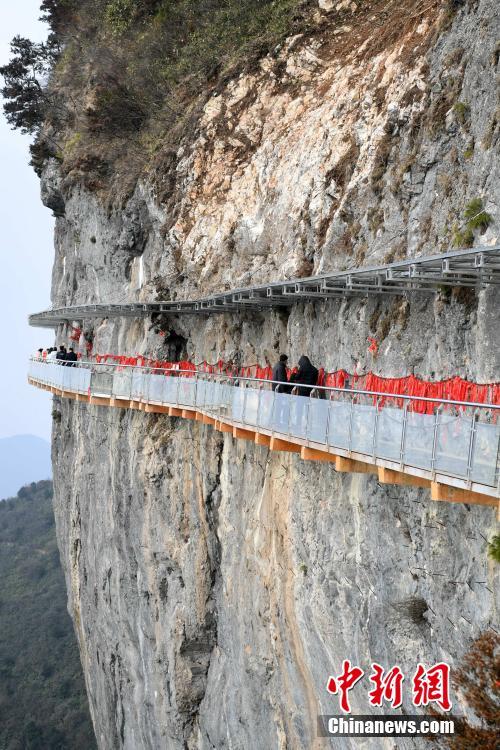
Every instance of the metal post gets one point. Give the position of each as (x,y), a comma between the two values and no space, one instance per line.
(351,416)
(472,442)
(374,443)
(177,389)
(244,404)
(131,378)
(271,421)
(403,436)
(497,466)
(434,442)
(258,408)
(307,417)
(328,412)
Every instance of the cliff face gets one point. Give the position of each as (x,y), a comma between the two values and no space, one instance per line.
(214,586)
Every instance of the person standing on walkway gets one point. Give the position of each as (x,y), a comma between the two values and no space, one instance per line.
(71,358)
(307,374)
(280,375)
(61,354)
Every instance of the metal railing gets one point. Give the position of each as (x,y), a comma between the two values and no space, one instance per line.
(455,442)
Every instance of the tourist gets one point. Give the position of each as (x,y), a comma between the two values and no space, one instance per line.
(280,375)
(71,357)
(61,354)
(306,374)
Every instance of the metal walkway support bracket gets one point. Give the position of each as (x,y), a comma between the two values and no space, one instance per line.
(389,476)
(458,495)
(277,444)
(174,412)
(474,268)
(311,454)
(351,466)
(243,434)
(261,439)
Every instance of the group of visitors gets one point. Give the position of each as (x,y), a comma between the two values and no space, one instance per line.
(304,375)
(62,355)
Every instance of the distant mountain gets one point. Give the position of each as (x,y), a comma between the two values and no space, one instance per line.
(43,704)
(23,459)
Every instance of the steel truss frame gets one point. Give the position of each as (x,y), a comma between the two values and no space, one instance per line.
(476,268)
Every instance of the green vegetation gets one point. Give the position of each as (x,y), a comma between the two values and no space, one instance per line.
(477,680)
(43,705)
(475,218)
(494,548)
(462,112)
(146,67)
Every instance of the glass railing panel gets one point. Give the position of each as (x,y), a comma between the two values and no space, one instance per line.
(318,420)
(218,401)
(56,375)
(338,430)
(211,395)
(84,379)
(122,384)
(237,403)
(485,455)
(252,406)
(155,387)
(137,384)
(281,412)
(72,378)
(297,424)
(419,438)
(389,433)
(102,382)
(201,389)
(226,399)
(452,444)
(266,409)
(66,377)
(363,428)
(187,391)
(169,390)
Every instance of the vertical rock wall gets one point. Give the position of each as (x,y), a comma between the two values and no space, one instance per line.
(214,586)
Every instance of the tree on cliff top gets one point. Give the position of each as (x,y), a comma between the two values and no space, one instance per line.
(118,79)
(27,102)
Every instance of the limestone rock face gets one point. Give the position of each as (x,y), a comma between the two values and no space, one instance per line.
(215,586)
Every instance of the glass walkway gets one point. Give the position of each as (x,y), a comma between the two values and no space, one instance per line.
(451,447)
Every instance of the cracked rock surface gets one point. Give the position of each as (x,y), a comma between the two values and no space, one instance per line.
(214,585)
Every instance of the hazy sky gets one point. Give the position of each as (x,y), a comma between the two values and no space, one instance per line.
(26,254)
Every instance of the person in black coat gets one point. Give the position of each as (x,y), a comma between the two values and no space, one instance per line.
(280,374)
(61,354)
(307,374)
(71,358)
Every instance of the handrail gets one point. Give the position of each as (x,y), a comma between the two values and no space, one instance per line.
(260,381)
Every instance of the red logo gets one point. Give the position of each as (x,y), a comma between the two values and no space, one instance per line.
(428,685)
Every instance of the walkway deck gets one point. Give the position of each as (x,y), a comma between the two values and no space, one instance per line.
(454,451)
(475,268)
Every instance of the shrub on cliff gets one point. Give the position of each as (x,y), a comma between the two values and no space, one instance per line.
(131,75)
